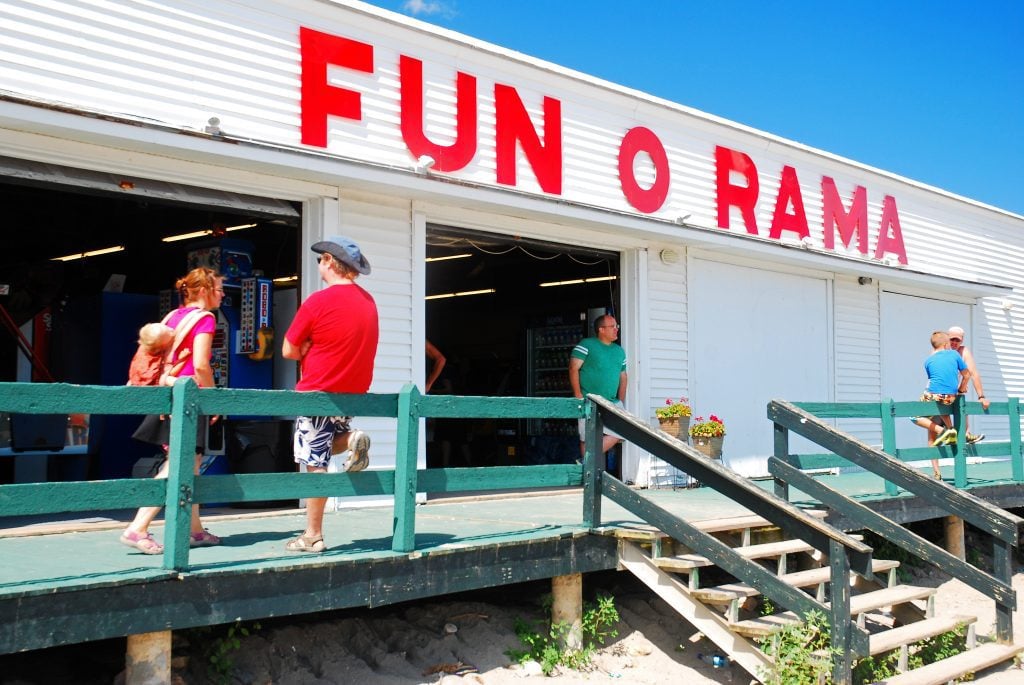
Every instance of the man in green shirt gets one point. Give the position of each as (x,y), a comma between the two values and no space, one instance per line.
(597,366)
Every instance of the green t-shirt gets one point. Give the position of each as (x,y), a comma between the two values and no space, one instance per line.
(602,366)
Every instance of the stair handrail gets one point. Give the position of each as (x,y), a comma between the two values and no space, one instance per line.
(845,553)
(1002,526)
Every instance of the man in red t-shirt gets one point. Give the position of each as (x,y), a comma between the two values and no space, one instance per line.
(334,339)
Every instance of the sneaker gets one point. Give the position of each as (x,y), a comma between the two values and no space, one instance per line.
(975,437)
(947,437)
(359,448)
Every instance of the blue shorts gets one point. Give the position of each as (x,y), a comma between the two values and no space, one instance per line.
(314,436)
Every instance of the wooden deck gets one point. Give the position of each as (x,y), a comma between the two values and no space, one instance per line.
(70,581)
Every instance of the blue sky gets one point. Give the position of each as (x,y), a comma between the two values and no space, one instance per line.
(933,91)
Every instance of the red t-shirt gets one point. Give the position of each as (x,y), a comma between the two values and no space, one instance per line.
(341,322)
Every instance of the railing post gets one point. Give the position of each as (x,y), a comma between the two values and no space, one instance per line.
(842,638)
(407,448)
(960,457)
(781,440)
(887,410)
(593,466)
(1016,458)
(181,483)
(1002,569)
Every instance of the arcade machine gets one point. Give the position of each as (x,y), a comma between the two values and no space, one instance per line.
(243,346)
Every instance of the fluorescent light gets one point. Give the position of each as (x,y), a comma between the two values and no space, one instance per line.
(577,281)
(200,234)
(451,256)
(443,296)
(283,280)
(90,253)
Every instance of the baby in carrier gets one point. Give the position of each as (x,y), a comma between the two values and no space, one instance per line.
(155,342)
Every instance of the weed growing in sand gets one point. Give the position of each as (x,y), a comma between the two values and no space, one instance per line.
(875,668)
(219,650)
(545,647)
(802,654)
(797,653)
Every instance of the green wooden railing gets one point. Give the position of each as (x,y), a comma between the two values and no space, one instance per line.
(185,402)
(888,412)
(845,553)
(1001,527)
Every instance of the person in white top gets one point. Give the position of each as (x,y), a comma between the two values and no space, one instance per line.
(956,342)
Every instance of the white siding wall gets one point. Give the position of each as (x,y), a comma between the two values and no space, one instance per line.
(668,362)
(858,372)
(382,228)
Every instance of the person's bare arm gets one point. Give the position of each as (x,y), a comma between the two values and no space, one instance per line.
(574,376)
(202,351)
(623,380)
(439,361)
(975,378)
(289,351)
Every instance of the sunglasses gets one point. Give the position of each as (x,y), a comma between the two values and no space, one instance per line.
(955,339)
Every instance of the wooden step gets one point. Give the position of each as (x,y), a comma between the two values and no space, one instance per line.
(643,531)
(915,632)
(687,562)
(971,661)
(723,594)
(859,604)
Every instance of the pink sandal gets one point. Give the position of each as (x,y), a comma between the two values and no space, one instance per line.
(143,542)
(203,539)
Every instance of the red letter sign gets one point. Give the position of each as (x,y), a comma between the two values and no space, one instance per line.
(789,193)
(512,124)
(890,235)
(638,140)
(854,221)
(729,195)
(320,99)
(448,157)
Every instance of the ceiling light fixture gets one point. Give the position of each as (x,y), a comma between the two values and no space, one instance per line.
(577,281)
(447,257)
(284,280)
(444,296)
(200,234)
(90,253)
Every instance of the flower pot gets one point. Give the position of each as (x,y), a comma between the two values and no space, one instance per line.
(711,447)
(676,426)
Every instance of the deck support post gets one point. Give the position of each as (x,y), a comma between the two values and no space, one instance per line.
(567,609)
(955,544)
(148,658)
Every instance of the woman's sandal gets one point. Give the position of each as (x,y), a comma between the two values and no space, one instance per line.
(306,544)
(203,539)
(143,542)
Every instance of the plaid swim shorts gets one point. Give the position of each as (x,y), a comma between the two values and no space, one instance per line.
(938,397)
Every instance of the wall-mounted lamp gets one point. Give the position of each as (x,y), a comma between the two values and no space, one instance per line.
(681,220)
(213,126)
(425,163)
(865,280)
(806,242)
(1008,305)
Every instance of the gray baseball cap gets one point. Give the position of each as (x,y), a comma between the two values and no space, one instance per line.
(344,250)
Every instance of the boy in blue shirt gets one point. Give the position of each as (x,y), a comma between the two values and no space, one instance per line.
(947,376)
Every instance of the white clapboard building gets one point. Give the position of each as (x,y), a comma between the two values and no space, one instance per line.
(741,266)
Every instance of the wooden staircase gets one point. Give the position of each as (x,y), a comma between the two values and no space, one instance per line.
(898,616)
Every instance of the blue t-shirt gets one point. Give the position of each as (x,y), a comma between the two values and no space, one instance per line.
(943,369)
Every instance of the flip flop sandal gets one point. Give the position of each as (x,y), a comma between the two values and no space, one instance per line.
(143,542)
(305,544)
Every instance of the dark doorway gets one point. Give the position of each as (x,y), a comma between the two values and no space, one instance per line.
(505,312)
